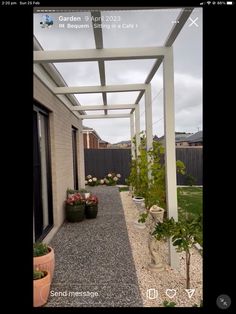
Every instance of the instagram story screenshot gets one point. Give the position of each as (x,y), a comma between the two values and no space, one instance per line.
(119,186)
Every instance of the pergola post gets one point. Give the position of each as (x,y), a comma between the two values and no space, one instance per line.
(137,128)
(132,132)
(81,164)
(148,120)
(170,159)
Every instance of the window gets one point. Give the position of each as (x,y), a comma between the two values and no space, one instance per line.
(42,189)
(74,152)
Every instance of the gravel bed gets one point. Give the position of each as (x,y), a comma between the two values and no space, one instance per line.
(167,279)
(95,256)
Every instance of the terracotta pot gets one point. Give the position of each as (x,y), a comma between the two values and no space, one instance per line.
(45,262)
(41,290)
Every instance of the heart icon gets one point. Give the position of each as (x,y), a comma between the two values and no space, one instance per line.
(170,293)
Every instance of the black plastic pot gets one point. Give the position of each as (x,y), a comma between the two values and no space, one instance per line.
(75,213)
(91,211)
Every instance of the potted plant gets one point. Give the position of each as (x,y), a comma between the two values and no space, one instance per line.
(42,282)
(44,257)
(140,222)
(75,208)
(70,192)
(91,207)
(85,193)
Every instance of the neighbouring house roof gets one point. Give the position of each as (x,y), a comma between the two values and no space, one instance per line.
(179,137)
(122,143)
(196,137)
(182,137)
(91,130)
(103,142)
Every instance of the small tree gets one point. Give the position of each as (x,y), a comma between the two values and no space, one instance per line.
(150,161)
(184,233)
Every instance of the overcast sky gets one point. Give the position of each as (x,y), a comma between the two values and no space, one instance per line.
(150,28)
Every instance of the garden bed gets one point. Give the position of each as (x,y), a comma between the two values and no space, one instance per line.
(167,279)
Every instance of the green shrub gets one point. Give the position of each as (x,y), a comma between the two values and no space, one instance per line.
(40,249)
(169,304)
(190,180)
(38,274)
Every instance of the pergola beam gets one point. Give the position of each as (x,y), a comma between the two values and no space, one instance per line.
(101,116)
(99,89)
(105,54)
(108,107)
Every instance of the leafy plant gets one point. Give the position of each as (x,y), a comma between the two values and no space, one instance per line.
(71,191)
(38,274)
(190,179)
(164,230)
(184,233)
(112,178)
(169,304)
(147,175)
(143,217)
(40,249)
(196,305)
(123,188)
(90,180)
(83,191)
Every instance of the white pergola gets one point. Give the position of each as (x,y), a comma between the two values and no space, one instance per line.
(44,59)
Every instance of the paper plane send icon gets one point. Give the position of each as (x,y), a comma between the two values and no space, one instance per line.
(190,292)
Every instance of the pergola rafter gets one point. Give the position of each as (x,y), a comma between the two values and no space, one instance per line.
(96,16)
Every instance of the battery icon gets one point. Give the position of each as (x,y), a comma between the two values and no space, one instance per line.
(229,2)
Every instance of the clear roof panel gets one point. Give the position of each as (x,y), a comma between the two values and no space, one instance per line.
(79,73)
(89,99)
(122,98)
(94,112)
(128,71)
(57,38)
(122,111)
(137,28)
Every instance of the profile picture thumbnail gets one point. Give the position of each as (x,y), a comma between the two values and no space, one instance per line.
(46,21)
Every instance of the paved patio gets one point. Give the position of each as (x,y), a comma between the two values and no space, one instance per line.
(94,263)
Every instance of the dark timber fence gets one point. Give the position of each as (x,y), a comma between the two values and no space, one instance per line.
(99,162)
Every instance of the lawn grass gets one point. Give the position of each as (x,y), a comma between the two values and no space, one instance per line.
(190,200)
(123,188)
